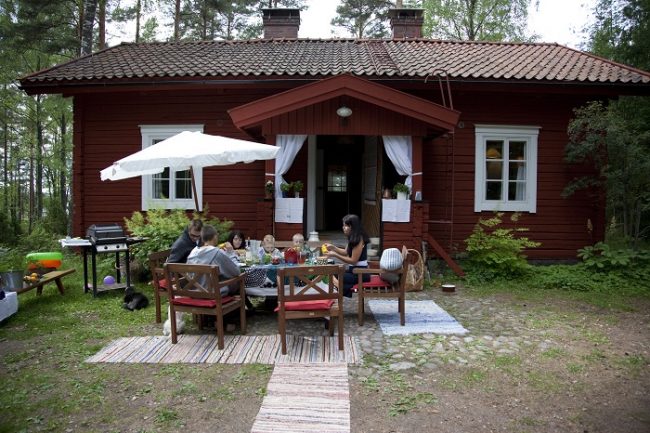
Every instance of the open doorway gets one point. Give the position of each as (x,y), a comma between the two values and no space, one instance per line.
(339,179)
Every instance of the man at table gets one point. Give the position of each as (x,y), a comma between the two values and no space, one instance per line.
(186,242)
(210,254)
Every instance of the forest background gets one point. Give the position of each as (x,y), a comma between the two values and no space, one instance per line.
(36,131)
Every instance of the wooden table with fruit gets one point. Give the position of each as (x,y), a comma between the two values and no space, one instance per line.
(36,281)
(260,278)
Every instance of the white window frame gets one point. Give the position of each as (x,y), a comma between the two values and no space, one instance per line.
(530,135)
(151,133)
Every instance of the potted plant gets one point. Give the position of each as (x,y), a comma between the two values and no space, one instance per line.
(285,188)
(401,190)
(12,269)
(268,189)
(297,187)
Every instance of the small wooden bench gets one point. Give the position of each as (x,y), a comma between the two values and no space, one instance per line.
(46,278)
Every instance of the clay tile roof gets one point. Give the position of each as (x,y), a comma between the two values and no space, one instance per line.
(319,57)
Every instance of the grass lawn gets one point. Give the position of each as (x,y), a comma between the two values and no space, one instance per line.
(47,386)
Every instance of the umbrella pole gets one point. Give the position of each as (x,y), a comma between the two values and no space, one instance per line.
(196,197)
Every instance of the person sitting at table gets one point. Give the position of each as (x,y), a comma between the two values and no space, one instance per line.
(210,254)
(298,241)
(186,242)
(268,247)
(236,239)
(355,254)
(234,246)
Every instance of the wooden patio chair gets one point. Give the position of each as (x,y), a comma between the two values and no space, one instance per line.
(308,292)
(196,289)
(156,262)
(379,288)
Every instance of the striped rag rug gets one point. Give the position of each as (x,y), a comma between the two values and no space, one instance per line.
(422,317)
(238,349)
(306,398)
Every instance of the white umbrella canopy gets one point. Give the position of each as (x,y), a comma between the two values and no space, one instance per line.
(186,151)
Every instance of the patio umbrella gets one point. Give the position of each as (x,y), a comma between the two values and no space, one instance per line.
(186,151)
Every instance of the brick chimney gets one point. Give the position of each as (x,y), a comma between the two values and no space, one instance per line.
(281,23)
(406,23)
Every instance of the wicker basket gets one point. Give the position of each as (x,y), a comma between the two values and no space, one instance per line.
(414,266)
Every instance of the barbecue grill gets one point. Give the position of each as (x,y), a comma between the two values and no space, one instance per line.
(106,238)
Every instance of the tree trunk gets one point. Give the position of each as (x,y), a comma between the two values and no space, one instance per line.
(177,21)
(101,23)
(5,156)
(38,198)
(63,194)
(89,10)
(138,11)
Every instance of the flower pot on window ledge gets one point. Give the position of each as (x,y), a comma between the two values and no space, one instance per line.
(401,196)
(297,194)
(268,195)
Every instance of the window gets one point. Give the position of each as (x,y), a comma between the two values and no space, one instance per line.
(169,190)
(337,178)
(506,168)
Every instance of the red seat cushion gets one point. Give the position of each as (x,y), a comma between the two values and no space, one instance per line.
(162,284)
(375,281)
(321,304)
(203,303)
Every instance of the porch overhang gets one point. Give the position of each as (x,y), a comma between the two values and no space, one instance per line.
(251,116)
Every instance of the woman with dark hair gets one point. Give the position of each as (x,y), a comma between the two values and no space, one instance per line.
(355,254)
(236,239)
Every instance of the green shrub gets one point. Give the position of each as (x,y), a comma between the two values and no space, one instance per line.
(162,227)
(40,239)
(603,258)
(495,251)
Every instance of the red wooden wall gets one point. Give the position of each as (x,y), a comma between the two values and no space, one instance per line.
(559,224)
(106,128)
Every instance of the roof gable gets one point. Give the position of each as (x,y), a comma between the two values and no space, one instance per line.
(254,113)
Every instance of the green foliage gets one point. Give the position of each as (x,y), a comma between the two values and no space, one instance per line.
(40,239)
(12,260)
(621,31)
(162,227)
(363,18)
(495,251)
(603,258)
(9,229)
(285,187)
(400,187)
(615,142)
(484,20)
(297,186)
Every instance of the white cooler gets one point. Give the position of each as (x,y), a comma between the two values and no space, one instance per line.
(8,305)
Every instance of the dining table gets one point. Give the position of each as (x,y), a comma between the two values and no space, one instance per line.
(261,279)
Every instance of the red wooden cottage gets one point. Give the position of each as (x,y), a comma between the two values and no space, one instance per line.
(472,127)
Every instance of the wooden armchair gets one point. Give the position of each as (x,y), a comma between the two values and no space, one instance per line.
(378,288)
(307,292)
(196,289)
(156,262)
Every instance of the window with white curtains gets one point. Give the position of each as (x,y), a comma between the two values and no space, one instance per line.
(505,168)
(169,190)
(399,149)
(289,146)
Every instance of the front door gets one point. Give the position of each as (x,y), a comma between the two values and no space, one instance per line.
(341,162)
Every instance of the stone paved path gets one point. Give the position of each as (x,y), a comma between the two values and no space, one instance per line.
(493,329)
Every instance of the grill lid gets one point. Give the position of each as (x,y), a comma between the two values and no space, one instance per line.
(105,232)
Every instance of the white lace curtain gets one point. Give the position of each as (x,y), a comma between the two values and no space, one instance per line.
(289,147)
(399,149)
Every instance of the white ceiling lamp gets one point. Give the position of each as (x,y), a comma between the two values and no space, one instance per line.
(344,112)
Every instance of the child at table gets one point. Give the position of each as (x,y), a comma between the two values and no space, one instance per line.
(268,247)
(298,241)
